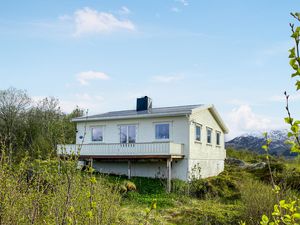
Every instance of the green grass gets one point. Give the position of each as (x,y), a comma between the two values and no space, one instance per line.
(236,194)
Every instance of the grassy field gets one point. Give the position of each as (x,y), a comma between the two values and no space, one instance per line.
(233,196)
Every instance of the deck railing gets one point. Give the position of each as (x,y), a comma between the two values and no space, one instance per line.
(128,149)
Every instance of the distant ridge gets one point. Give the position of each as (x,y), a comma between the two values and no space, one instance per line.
(254,140)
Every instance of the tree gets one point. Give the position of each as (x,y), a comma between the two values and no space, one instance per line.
(14,104)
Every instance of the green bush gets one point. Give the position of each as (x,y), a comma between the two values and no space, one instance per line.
(208,213)
(180,187)
(54,191)
(221,186)
(257,198)
(263,174)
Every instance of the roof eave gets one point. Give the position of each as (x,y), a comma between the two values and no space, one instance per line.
(215,114)
(86,119)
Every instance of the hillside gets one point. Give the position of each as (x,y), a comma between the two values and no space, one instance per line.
(225,199)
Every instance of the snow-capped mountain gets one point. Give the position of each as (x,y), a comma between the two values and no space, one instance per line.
(253,142)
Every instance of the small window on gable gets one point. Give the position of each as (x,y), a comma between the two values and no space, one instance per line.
(97,133)
(162,131)
(208,132)
(218,138)
(198,132)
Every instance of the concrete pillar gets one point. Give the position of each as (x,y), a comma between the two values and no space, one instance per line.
(169,171)
(91,162)
(129,169)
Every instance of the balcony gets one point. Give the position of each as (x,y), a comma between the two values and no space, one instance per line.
(130,150)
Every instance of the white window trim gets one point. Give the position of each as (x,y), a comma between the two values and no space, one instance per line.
(170,131)
(218,132)
(195,132)
(136,131)
(211,136)
(103,132)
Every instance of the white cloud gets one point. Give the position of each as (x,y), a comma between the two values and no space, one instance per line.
(124,11)
(243,119)
(175,9)
(85,77)
(94,103)
(90,21)
(167,79)
(281,98)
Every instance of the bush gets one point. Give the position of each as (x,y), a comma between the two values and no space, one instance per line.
(264,174)
(208,213)
(292,179)
(127,186)
(180,187)
(257,198)
(221,186)
(54,191)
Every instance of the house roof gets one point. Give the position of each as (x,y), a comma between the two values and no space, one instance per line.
(153,112)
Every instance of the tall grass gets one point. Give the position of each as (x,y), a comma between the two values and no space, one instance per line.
(54,191)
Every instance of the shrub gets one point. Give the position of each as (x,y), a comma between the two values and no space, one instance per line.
(54,191)
(221,186)
(208,213)
(257,198)
(264,173)
(127,186)
(180,187)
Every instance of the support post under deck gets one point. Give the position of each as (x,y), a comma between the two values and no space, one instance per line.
(129,169)
(91,162)
(169,171)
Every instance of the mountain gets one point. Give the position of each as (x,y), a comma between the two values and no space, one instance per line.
(254,141)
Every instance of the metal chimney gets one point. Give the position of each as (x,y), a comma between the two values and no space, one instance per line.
(144,103)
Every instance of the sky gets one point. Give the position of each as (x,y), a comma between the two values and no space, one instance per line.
(102,55)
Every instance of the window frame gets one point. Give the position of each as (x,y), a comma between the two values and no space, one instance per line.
(127,133)
(197,125)
(162,123)
(211,131)
(97,127)
(218,139)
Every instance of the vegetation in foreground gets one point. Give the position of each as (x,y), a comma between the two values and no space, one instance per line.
(237,194)
(55,191)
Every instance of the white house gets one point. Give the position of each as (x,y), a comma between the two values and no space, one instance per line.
(153,142)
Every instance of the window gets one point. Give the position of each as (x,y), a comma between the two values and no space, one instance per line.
(218,137)
(162,131)
(198,132)
(128,134)
(208,131)
(97,133)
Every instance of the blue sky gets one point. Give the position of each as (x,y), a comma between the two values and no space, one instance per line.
(101,55)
